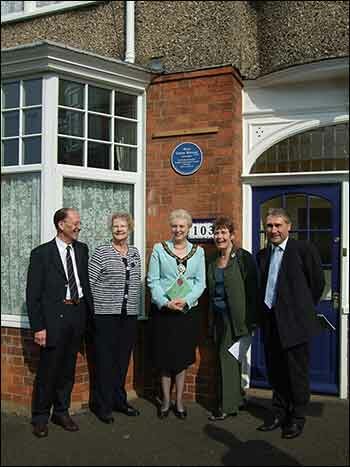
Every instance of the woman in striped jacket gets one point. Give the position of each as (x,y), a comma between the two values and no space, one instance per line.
(115,279)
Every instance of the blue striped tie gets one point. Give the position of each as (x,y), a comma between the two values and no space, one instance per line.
(71,278)
(275,261)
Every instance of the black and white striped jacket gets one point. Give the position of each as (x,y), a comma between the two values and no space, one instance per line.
(115,280)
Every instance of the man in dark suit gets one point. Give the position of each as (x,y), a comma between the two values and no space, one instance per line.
(58,301)
(291,285)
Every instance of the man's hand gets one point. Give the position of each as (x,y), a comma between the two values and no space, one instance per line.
(40,337)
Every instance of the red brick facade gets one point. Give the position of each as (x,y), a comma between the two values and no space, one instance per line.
(203,107)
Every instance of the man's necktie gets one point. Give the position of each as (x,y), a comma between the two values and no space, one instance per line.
(71,278)
(275,261)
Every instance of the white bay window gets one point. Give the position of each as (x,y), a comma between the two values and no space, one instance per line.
(69,138)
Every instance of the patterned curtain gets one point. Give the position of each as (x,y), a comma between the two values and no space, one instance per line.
(11,7)
(20,233)
(96,202)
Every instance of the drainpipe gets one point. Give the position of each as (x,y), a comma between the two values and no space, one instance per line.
(130,32)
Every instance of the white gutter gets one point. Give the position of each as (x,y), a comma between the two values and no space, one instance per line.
(130,32)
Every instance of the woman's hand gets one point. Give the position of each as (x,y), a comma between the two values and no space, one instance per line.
(176,305)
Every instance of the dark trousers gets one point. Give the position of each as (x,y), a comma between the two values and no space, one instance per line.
(288,374)
(56,370)
(115,337)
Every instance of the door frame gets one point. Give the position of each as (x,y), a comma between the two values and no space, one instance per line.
(247,237)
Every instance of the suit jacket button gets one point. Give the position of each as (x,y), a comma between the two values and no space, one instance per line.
(61,316)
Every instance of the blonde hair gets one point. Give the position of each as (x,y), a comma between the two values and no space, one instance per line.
(180,214)
(125,216)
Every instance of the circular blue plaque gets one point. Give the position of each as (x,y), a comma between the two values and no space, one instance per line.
(186,158)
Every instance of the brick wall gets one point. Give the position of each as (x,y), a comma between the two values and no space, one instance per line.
(19,359)
(201,99)
(183,101)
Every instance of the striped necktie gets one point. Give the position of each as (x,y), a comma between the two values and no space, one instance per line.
(73,288)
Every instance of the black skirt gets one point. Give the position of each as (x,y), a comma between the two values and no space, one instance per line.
(175,338)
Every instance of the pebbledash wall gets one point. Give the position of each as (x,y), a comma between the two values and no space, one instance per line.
(197,99)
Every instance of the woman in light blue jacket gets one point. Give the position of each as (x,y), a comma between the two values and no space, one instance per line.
(176,278)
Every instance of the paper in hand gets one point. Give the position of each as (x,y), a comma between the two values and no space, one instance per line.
(179,289)
(240,348)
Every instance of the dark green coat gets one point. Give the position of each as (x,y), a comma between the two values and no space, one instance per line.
(241,285)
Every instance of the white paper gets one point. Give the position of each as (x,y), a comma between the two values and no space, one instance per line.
(240,348)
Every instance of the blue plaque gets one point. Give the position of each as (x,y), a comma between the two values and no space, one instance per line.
(186,158)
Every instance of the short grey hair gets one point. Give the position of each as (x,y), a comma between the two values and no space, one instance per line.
(180,214)
(279,212)
(125,216)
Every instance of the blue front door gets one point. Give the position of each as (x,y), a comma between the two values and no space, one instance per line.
(315,212)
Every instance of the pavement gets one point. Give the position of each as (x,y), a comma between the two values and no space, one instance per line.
(146,440)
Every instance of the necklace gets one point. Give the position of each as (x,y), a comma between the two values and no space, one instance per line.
(181,262)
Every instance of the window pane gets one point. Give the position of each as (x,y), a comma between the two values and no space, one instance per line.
(323,242)
(11,123)
(125,105)
(96,201)
(46,3)
(10,94)
(20,231)
(99,127)
(271,203)
(32,121)
(32,92)
(70,151)
(296,205)
(125,159)
(10,152)
(70,122)
(320,213)
(99,100)
(11,7)
(32,150)
(98,155)
(320,149)
(125,132)
(71,94)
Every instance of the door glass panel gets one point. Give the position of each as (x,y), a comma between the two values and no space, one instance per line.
(320,213)
(323,241)
(271,203)
(327,291)
(296,206)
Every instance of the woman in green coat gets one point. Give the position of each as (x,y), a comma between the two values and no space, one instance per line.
(232,284)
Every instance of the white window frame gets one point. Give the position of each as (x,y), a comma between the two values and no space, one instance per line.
(30,10)
(74,65)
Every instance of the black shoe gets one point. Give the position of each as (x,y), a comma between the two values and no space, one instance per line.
(272,426)
(65,421)
(292,431)
(128,410)
(40,430)
(108,419)
(181,414)
(163,413)
(217,415)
